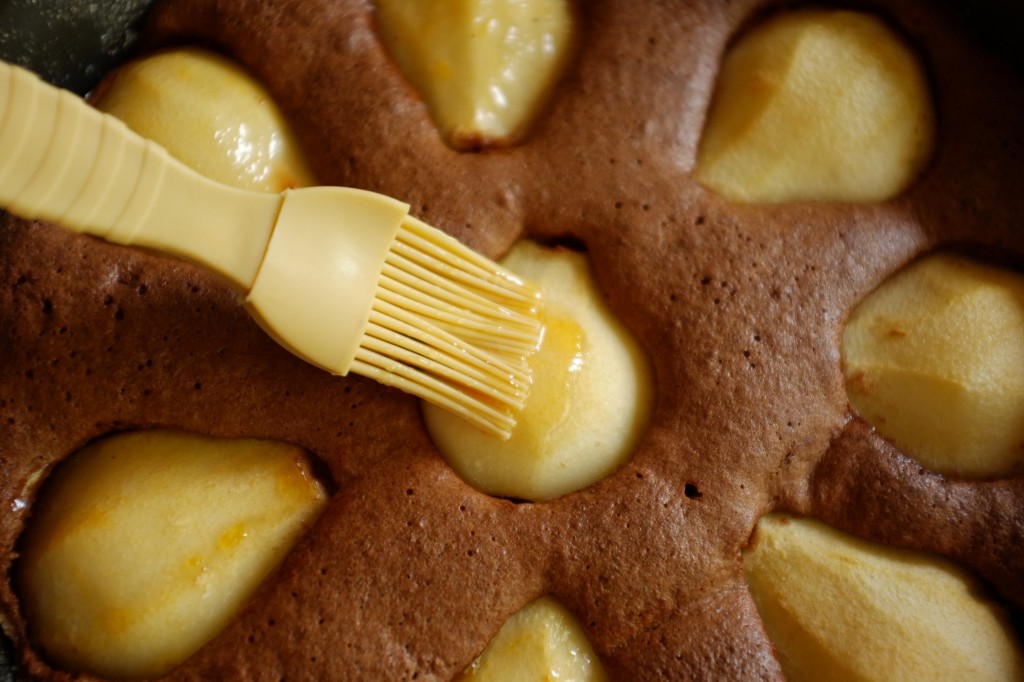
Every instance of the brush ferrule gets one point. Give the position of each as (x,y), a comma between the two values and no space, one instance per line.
(316,285)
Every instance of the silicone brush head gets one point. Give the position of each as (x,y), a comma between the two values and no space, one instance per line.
(351,283)
(451,327)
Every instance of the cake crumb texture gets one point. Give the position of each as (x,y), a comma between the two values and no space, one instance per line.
(409,572)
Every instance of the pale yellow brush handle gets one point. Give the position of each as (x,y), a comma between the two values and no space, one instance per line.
(309,262)
(65,162)
(294,256)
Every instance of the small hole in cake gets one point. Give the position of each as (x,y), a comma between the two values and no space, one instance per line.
(566,241)
(692,492)
(699,220)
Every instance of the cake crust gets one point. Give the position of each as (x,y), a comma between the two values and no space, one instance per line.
(410,571)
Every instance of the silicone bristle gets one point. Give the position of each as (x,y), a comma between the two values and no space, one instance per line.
(451,327)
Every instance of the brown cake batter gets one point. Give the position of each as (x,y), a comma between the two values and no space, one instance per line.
(741,308)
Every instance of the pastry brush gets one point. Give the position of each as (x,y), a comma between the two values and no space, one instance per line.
(344,278)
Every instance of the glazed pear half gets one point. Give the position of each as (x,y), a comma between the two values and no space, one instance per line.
(483,67)
(934,360)
(210,114)
(842,609)
(590,401)
(817,105)
(142,546)
(541,641)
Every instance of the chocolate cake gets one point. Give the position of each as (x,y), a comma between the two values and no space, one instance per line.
(741,308)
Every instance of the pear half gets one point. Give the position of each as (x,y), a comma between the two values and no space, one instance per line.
(591,396)
(934,360)
(211,115)
(143,545)
(839,608)
(817,105)
(483,67)
(541,641)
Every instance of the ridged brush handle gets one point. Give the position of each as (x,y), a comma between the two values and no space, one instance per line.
(67,163)
(342,277)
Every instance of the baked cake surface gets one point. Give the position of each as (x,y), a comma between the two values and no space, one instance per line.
(410,571)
